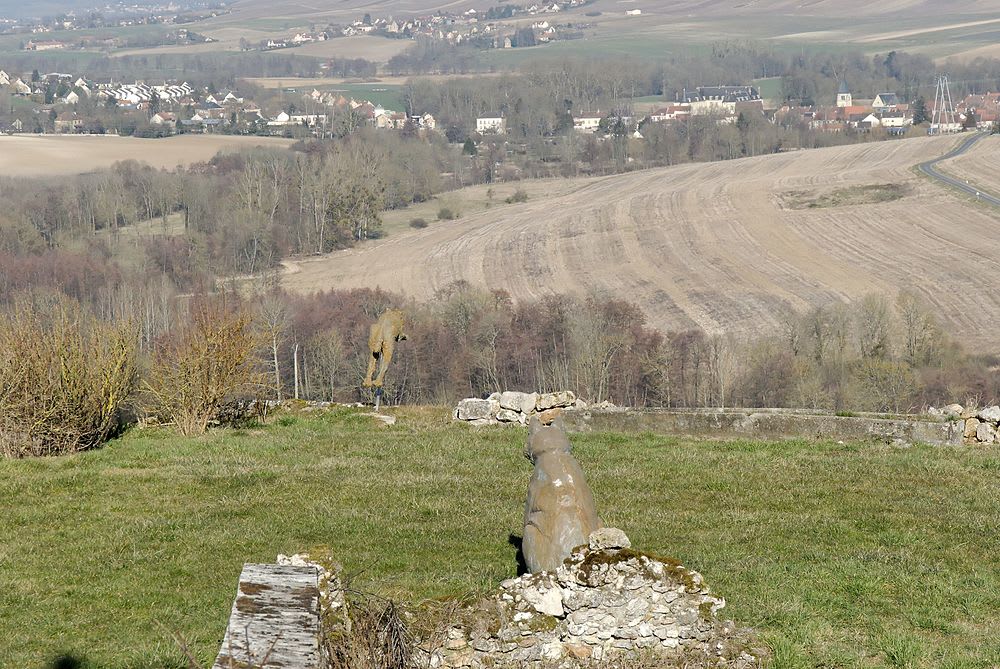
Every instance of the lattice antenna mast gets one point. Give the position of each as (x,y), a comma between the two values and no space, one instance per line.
(943,117)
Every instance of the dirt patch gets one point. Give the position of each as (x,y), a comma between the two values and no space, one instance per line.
(845,197)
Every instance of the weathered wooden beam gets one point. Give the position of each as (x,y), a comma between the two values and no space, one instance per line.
(275,620)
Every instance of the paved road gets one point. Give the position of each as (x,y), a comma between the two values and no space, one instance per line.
(930,169)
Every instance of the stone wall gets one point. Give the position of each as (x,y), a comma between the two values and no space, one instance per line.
(938,427)
(607,602)
(979,426)
(513,407)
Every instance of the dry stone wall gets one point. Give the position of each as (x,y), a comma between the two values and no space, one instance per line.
(514,407)
(979,426)
(606,603)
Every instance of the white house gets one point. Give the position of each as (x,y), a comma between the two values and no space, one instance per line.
(491,123)
(885,101)
(587,122)
(71,98)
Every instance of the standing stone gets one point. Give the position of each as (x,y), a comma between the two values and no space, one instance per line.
(559,513)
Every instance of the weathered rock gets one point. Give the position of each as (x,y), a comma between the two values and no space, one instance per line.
(509,416)
(563,398)
(515,401)
(548,416)
(608,538)
(953,410)
(547,601)
(475,409)
(559,513)
(989,414)
(971,427)
(986,433)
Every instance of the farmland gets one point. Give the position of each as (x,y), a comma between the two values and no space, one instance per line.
(721,246)
(54,155)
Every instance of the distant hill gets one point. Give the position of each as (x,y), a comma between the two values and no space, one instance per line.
(39,8)
(728,247)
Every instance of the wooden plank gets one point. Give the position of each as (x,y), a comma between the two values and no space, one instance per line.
(274,621)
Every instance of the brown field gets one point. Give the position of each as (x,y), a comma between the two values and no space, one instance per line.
(980,165)
(714,245)
(54,155)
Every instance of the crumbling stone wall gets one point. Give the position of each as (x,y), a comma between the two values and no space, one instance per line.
(606,602)
(979,426)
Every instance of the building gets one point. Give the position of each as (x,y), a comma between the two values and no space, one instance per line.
(844,97)
(491,123)
(719,99)
(885,101)
(587,122)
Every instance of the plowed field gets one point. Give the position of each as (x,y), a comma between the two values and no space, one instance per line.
(728,246)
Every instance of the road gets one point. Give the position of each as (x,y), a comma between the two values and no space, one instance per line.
(930,169)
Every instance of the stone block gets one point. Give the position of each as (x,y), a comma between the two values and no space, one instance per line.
(608,537)
(476,409)
(971,426)
(989,414)
(515,401)
(986,433)
(560,399)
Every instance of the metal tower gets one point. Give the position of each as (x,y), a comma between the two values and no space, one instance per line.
(943,117)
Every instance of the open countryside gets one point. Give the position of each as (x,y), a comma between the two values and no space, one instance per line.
(716,246)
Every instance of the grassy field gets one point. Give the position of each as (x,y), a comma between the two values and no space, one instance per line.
(840,555)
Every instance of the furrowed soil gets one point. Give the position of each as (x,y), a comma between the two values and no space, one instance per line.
(57,155)
(713,245)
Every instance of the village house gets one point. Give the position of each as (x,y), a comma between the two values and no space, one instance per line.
(675,112)
(44,45)
(719,99)
(885,102)
(587,121)
(493,123)
(68,122)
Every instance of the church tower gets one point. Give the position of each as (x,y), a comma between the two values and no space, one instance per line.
(844,98)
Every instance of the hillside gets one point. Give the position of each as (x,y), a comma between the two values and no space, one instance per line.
(728,247)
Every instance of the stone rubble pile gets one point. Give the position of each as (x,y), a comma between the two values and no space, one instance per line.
(982,426)
(515,407)
(606,604)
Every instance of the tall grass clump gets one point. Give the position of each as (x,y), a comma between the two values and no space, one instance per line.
(201,369)
(65,378)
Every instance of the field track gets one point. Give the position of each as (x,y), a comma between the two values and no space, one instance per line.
(715,245)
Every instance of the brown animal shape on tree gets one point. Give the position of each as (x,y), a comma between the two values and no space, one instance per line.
(559,514)
(385,332)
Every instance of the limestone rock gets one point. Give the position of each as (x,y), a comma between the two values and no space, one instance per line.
(547,601)
(563,398)
(476,409)
(515,401)
(986,433)
(509,416)
(608,538)
(548,416)
(971,427)
(990,414)
(953,410)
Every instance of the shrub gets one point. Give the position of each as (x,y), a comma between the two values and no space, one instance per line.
(65,378)
(204,369)
(418,223)
(446,214)
(519,196)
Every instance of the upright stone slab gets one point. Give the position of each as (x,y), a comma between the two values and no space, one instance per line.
(275,620)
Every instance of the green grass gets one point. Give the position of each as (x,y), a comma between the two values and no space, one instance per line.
(841,555)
